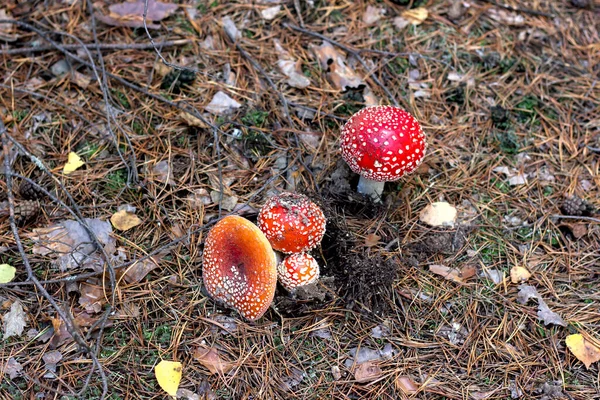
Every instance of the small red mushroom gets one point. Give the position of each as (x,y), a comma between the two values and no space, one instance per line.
(297,270)
(292,223)
(382,144)
(239,267)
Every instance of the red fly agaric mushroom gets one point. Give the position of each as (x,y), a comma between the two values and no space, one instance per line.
(292,223)
(239,267)
(382,144)
(297,270)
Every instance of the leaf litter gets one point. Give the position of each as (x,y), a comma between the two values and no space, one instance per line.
(526,293)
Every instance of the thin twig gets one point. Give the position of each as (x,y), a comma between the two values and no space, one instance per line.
(519,9)
(101,46)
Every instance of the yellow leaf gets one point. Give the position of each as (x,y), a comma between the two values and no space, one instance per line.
(168,375)
(124,220)
(584,350)
(73,162)
(7,273)
(519,274)
(416,16)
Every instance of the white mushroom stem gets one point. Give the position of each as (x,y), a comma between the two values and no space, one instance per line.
(370,188)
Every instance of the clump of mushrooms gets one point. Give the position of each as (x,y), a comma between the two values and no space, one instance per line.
(382,144)
(293,224)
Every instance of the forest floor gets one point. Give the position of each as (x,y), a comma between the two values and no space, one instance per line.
(507,93)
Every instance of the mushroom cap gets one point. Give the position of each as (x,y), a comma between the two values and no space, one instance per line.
(297,270)
(292,223)
(382,143)
(239,266)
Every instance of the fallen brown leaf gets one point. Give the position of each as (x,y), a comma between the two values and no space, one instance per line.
(367,372)
(372,240)
(92,297)
(519,274)
(130,13)
(340,75)
(210,358)
(407,385)
(453,274)
(140,269)
(124,220)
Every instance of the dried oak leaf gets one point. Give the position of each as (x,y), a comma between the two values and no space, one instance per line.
(290,67)
(13,368)
(341,76)
(14,321)
(210,358)
(130,13)
(69,243)
(544,313)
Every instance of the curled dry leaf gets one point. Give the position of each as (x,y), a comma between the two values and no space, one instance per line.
(585,351)
(290,67)
(124,220)
(69,243)
(92,297)
(372,240)
(222,104)
(519,274)
(13,368)
(210,358)
(130,13)
(415,16)
(372,15)
(453,274)
(14,321)
(51,359)
(438,214)
(340,75)
(515,178)
(506,17)
(270,13)
(407,385)
(544,313)
(163,173)
(367,372)
(140,269)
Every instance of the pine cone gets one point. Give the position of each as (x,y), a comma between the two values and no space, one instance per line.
(576,206)
(29,191)
(24,210)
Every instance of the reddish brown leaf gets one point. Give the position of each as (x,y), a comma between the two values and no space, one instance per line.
(210,358)
(407,385)
(453,274)
(367,372)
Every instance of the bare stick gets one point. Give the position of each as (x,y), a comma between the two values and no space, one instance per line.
(101,46)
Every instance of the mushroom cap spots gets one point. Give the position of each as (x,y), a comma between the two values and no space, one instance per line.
(239,267)
(292,223)
(297,270)
(383,143)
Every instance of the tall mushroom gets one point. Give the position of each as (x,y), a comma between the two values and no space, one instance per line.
(382,144)
(239,267)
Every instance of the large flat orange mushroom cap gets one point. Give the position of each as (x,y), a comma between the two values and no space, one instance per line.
(239,267)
